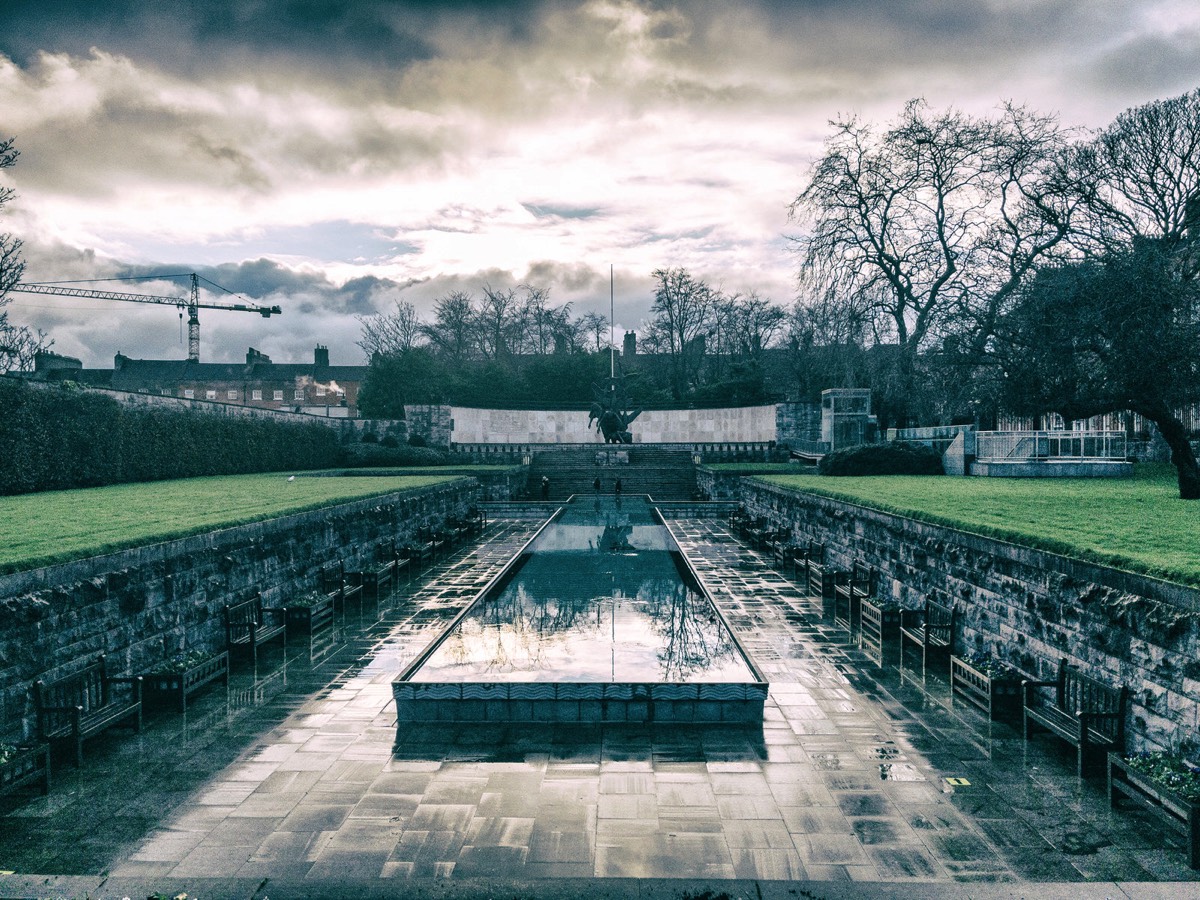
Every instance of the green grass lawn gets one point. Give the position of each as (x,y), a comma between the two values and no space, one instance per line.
(756,468)
(56,526)
(1138,524)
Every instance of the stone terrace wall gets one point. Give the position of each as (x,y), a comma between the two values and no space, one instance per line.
(143,605)
(1027,606)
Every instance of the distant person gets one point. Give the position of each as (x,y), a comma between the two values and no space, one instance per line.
(596,484)
(545,487)
(617,487)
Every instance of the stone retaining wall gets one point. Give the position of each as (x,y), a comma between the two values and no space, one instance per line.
(1027,606)
(141,606)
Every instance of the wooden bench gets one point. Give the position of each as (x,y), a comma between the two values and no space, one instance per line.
(931,629)
(849,591)
(1084,712)
(475,521)
(82,705)
(27,767)
(246,626)
(331,577)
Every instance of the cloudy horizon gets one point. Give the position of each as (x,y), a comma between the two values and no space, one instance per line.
(334,158)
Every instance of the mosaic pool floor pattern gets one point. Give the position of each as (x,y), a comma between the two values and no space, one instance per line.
(300,771)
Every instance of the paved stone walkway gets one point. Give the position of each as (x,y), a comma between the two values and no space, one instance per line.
(300,776)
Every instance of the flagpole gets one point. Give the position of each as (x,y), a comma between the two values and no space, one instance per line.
(612,326)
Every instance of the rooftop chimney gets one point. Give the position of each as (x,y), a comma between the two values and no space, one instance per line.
(321,356)
(630,348)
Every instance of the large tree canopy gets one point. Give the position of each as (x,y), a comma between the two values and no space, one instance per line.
(1105,335)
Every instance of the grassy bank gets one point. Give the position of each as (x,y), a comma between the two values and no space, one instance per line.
(56,526)
(1138,524)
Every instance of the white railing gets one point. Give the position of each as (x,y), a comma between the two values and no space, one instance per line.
(1033,445)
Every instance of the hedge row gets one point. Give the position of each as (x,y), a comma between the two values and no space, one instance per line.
(63,437)
(893,458)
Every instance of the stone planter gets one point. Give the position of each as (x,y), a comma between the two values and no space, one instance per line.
(27,767)
(1177,813)
(997,695)
(178,686)
(880,627)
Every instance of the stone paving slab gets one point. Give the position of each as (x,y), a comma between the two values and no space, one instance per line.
(301,782)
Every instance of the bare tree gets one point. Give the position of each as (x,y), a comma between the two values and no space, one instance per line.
(595,328)
(499,323)
(683,309)
(1140,178)
(925,229)
(394,332)
(18,343)
(452,332)
(935,216)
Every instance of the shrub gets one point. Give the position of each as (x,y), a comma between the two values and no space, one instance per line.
(370,437)
(417,440)
(377,455)
(389,441)
(892,458)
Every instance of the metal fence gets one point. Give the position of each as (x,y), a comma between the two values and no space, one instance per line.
(1033,445)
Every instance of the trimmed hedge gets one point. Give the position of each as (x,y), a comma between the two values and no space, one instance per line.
(893,458)
(59,437)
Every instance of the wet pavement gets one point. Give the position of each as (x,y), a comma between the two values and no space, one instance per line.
(860,773)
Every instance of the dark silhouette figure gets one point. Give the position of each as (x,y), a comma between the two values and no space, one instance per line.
(545,487)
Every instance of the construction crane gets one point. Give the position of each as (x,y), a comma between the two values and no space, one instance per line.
(191,303)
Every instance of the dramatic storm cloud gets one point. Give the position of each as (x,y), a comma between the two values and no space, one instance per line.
(334,157)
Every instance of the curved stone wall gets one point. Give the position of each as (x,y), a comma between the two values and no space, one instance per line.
(742,424)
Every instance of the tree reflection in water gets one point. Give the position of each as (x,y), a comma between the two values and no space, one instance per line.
(597,601)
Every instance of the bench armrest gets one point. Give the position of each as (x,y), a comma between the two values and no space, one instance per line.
(60,708)
(1029,688)
(274,610)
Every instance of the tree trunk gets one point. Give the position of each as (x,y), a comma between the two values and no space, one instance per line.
(1182,456)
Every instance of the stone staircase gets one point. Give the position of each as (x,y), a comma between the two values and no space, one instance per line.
(662,473)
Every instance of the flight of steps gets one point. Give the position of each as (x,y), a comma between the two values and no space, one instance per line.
(662,473)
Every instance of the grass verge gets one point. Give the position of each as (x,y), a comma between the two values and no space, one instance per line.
(1137,524)
(57,526)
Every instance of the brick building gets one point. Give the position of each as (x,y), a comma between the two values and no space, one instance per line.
(316,388)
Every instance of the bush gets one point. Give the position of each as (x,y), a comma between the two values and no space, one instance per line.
(389,441)
(370,437)
(377,455)
(893,458)
(417,440)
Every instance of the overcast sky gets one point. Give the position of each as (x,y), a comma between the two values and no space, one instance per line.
(335,157)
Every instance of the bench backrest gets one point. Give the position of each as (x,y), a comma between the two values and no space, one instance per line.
(247,612)
(861,577)
(939,622)
(1079,693)
(87,688)
(331,577)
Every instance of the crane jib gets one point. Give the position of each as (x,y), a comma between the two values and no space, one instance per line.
(192,304)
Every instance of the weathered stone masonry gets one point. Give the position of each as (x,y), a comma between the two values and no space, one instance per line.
(1024,605)
(143,605)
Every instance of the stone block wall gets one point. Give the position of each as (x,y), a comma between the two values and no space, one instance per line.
(1027,606)
(798,422)
(142,606)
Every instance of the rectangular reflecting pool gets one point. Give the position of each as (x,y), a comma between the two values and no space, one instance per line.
(597,620)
